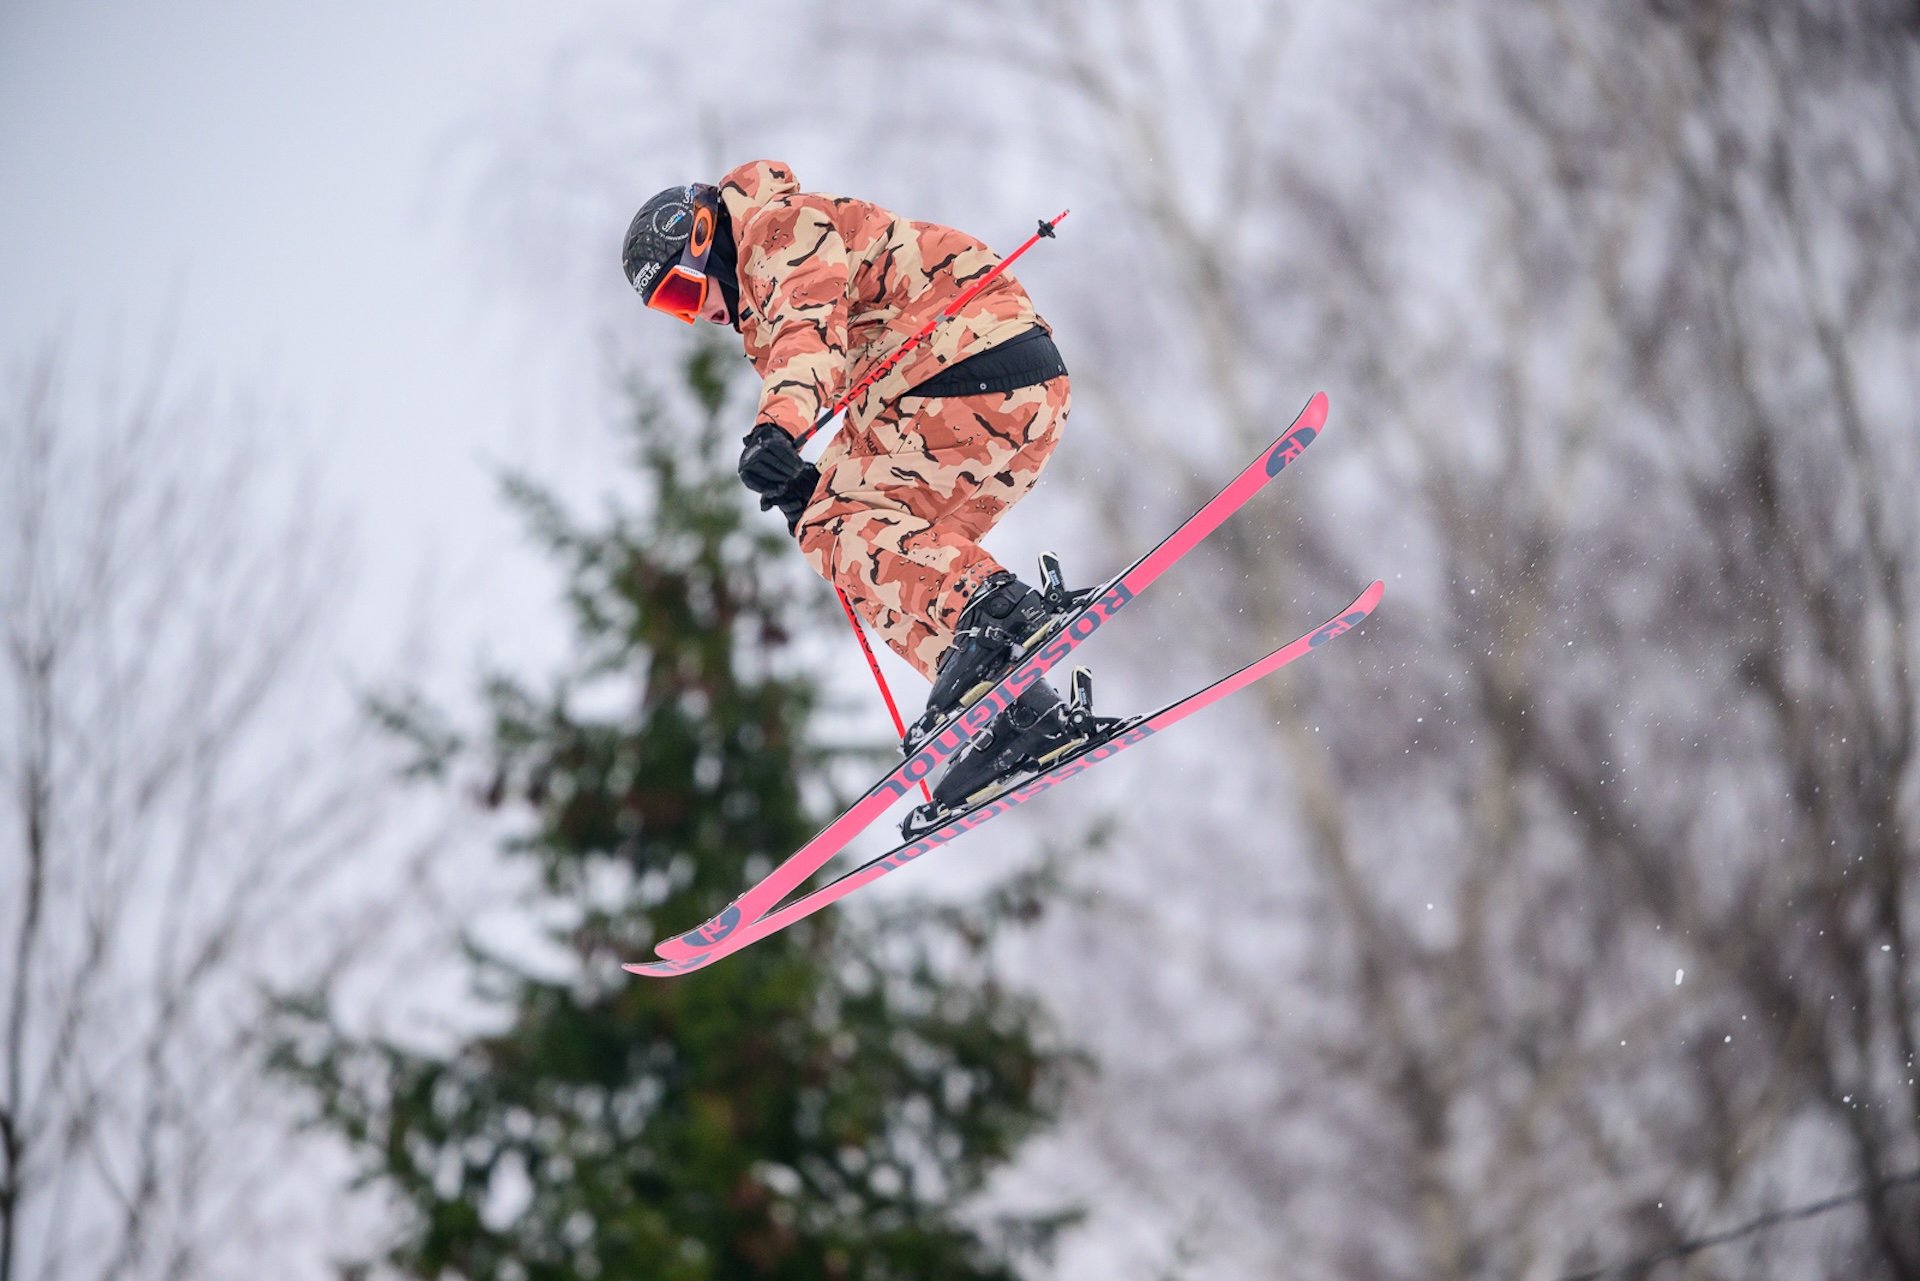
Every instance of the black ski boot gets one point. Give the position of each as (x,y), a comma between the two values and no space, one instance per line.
(1030,730)
(1003,614)
(996,630)
(1029,736)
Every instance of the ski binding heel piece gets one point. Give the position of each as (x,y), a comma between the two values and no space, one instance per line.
(1053,586)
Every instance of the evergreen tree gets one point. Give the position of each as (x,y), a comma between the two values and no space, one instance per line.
(804,1109)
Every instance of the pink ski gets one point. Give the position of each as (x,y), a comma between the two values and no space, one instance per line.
(1102,605)
(966,820)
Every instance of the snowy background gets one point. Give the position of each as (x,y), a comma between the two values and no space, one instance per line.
(1564,914)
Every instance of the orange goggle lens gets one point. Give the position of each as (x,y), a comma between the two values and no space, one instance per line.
(681,293)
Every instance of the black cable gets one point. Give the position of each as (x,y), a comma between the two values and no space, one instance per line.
(1746,1229)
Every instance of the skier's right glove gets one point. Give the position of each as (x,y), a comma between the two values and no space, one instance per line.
(771,466)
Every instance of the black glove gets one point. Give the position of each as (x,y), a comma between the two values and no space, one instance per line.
(771,466)
(795,498)
(769,461)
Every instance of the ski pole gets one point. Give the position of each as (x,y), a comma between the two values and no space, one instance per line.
(874,375)
(873,665)
(881,370)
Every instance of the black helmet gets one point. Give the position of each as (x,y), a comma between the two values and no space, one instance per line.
(682,233)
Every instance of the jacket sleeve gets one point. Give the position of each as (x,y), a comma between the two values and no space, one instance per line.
(799,279)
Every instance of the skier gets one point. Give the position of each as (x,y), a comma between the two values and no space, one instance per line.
(823,289)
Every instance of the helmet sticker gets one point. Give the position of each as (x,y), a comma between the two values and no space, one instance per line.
(666,222)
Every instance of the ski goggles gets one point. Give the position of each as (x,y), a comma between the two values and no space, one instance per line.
(682,292)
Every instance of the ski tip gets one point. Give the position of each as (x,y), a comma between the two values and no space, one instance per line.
(665,969)
(1303,431)
(1358,612)
(701,937)
(1349,618)
(681,946)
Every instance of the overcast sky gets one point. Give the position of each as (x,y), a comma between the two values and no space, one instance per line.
(280,184)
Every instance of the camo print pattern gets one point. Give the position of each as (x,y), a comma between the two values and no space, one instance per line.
(905,499)
(830,287)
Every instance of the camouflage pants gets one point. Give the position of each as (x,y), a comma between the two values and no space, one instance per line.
(905,499)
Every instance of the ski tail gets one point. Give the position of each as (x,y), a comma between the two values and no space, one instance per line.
(818,852)
(1145,727)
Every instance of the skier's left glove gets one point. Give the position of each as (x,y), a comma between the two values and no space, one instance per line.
(771,466)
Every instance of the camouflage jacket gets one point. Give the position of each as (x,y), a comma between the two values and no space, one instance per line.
(830,286)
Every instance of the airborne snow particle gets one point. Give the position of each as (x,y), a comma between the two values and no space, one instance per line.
(1677,976)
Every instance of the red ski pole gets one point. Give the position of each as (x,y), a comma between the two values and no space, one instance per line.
(881,370)
(874,375)
(873,665)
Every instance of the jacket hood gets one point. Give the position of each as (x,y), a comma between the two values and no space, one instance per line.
(756,184)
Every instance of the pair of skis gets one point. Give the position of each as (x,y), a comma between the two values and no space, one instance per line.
(758,912)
